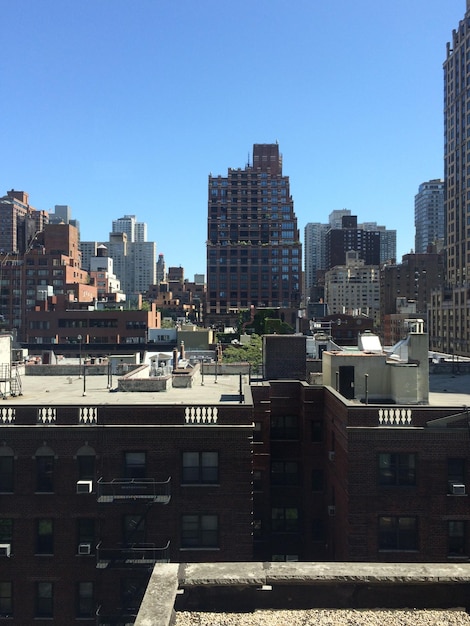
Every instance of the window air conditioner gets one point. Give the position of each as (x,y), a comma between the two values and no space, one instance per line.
(331,510)
(84,486)
(458,489)
(84,548)
(331,455)
(5,549)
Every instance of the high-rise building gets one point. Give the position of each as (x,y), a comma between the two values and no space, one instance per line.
(314,253)
(161,269)
(450,314)
(353,288)
(20,222)
(63,215)
(352,237)
(254,254)
(326,245)
(429,216)
(135,231)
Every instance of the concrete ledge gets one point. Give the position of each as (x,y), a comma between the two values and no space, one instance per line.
(244,587)
(157,607)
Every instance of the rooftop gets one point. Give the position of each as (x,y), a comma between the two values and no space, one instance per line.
(72,390)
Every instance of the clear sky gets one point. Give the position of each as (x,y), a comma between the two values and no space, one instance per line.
(121,107)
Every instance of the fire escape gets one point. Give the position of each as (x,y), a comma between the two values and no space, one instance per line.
(133,554)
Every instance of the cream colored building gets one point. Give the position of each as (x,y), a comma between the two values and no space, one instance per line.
(353,288)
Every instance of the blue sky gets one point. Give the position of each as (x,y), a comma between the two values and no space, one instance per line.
(121,107)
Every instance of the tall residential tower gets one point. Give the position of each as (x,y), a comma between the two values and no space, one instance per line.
(254,254)
(450,313)
(429,216)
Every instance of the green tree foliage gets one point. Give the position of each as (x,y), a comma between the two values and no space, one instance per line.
(249,353)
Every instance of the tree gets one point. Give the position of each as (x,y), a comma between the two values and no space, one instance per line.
(249,353)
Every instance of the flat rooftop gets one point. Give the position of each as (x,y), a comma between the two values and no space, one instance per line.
(51,390)
(449,390)
(446,390)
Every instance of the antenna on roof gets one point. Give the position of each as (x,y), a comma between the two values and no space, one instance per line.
(248,162)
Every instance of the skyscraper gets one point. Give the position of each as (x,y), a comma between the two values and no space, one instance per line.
(254,253)
(429,216)
(450,313)
(135,231)
(20,222)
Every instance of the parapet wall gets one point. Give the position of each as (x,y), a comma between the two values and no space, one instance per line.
(242,587)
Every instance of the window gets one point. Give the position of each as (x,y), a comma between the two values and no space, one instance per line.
(6,530)
(318,530)
(44,599)
(455,473)
(132,593)
(317,431)
(200,531)
(284,473)
(44,536)
(201,467)
(258,432)
(135,465)
(44,471)
(86,463)
(456,538)
(398,533)
(6,470)
(317,480)
(85,600)
(6,599)
(133,527)
(86,533)
(284,427)
(284,519)
(397,469)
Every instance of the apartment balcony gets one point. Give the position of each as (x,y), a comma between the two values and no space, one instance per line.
(138,555)
(132,489)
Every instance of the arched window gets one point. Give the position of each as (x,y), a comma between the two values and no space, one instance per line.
(86,462)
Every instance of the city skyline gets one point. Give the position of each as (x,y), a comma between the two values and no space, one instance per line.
(163,95)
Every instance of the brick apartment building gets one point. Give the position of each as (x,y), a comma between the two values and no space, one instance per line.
(95,490)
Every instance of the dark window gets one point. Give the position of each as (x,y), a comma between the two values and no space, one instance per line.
(398,533)
(6,599)
(44,536)
(44,599)
(284,519)
(455,473)
(86,533)
(133,529)
(6,530)
(317,431)
(45,473)
(284,427)
(85,600)
(318,530)
(6,473)
(132,593)
(135,465)
(397,469)
(258,432)
(284,473)
(200,467)
(86,467)
(200,531)
(317,480)
(457,538)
